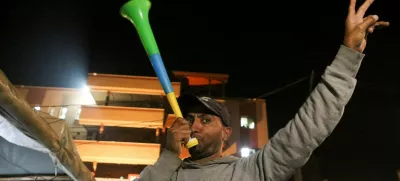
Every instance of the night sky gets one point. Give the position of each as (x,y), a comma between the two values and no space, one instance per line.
(262,45)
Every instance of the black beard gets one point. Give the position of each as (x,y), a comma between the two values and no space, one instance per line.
(197,154)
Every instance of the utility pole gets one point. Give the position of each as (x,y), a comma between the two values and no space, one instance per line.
(311,83)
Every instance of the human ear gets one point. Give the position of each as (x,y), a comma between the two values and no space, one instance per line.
(226,133)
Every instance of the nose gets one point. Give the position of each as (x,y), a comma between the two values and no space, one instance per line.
(196,125)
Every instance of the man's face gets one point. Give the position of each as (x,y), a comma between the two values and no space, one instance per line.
(210,133)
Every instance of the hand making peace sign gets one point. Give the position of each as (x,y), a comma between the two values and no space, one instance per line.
(358,26)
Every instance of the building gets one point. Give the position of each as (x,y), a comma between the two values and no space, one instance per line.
(119,122)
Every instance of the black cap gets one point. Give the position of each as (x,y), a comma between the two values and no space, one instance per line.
(189,100)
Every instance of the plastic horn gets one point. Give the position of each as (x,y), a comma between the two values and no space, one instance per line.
(137,11)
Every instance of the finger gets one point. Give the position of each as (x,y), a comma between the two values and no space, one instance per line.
(381,24)
(181,121)
(378,25)
(185,137)
(369,21)
(352,7)
(177,121)
(361,11)
(371,29)
(185,132)
(184,127)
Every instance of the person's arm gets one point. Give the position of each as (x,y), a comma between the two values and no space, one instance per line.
(291,147)
(166,165)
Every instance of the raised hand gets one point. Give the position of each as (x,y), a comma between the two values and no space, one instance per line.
(358,26)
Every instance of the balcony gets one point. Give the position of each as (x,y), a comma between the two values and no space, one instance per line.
(122,116)
(118,152)
(170,120)
(129,84)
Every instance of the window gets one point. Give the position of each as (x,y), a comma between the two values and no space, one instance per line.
(63,113)
(37,108)
(246,122)
(251,125)
(51,111)
(78,113)
(245,152)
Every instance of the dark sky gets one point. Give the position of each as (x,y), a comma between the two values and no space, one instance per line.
(263,45)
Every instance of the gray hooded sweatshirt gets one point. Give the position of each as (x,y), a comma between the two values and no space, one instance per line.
(289,149)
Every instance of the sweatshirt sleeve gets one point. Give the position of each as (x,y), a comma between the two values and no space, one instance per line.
(291,147)
(166,165)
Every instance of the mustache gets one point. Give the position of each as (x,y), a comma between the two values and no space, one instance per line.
(196,135)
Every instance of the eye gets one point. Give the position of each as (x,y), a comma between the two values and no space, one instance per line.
(206,120)
(190,118)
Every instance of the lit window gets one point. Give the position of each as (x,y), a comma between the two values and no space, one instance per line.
(246,122)
(51,111)
(132,177)
(243,121)
(78,113)
(37,108)
(63,113)
(245,152)
(251,125)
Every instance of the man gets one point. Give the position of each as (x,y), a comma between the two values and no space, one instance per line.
(290,148)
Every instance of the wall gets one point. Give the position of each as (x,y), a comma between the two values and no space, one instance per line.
(261,123)
(47,97)
(50,98)
(249,136)
(234,109)
(256,111)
